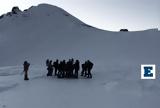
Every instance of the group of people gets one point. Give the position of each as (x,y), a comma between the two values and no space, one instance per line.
(64,69)
(68,69)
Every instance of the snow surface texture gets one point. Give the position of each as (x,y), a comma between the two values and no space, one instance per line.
(46,31)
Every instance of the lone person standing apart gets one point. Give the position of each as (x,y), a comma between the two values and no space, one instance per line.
(26,67)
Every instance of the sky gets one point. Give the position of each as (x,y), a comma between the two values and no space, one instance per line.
(110,15)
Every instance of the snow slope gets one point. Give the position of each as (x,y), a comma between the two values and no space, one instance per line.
(110,88)
(46,31)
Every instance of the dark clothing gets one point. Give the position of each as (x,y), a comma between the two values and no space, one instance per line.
(50,69)
(67,68)
(26,67)
(55,65)
(89,68)
(47,62)
(76,67)
(61,70)
(84,69)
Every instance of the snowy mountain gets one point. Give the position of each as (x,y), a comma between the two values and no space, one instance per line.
(39,32)
(47,31)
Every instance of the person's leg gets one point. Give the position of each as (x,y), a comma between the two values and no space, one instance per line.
(49,72)
(55,72)
(26,76)
(76,73)
(89,73)
(82,73)
(86,73)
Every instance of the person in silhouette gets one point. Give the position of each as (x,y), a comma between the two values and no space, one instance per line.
(76,68)
(89,68)
(67,69)
(47,62)
(72,67)
(55,64)
(60,73)
(26,67)
(84,69)
(63,68)
(50,68)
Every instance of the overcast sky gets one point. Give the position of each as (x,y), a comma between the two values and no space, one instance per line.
(104,14)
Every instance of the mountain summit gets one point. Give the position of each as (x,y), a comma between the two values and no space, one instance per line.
(43,28)
(43,15)
(47,31)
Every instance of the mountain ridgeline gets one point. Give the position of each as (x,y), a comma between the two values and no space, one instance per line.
(47,31)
